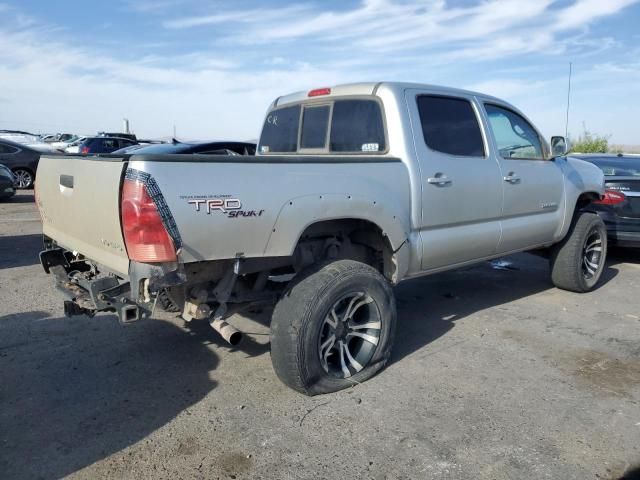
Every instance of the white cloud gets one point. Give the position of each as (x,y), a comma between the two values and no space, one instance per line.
(583,12)
(489,28)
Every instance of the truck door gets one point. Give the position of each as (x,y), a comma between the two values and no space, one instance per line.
(461,183)
(533,185)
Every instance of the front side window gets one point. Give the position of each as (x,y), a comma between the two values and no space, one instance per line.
(280,130)
(450,125)
(515,137)
(315,122)
(109,144)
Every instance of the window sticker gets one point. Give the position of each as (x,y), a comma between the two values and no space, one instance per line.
(370,147)
(264,149)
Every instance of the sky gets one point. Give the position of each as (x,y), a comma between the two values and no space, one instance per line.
(211,68)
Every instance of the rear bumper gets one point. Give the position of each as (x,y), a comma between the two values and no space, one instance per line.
(88,291)
(624,232)
(624,239)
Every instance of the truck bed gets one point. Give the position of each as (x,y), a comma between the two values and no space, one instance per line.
(79,199)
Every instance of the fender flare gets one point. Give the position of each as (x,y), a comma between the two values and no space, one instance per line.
(297,214)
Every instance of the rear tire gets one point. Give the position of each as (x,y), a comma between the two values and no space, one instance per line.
(578,261)
(333,328)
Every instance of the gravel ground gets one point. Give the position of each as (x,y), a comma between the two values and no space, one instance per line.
(495,375)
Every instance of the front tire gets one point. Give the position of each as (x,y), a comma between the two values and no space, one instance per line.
(333,328)
(578,261)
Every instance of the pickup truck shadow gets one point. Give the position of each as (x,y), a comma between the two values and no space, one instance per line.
(20,250)
(74,391)
(251,348)
(429,307)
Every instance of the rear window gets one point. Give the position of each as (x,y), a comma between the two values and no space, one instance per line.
(280,131)
(357,127)
(314,127)
(450,125)
(353,126)
(7,148)
(616,167)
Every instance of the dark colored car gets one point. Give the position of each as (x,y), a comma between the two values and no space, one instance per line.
(620,207)
(205,148)
(128,136)
(7,179)
(22,160)
(104,144)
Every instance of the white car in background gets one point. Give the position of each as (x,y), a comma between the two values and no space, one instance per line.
(74,147)
(31,141)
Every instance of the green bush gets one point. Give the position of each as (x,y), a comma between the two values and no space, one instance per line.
(590,143)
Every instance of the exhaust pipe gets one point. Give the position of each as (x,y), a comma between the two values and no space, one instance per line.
(226,331)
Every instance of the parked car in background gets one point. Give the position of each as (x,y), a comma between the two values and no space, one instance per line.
(22,160)
(620,207)
(61,145)
(203,148)
(104,144)
(74,147)
(130,136)
(7,189)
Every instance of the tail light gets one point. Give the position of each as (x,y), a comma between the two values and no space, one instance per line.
(84,150)
(611,197)
(145,235)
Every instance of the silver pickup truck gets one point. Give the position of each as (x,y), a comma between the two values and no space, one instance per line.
(354,189)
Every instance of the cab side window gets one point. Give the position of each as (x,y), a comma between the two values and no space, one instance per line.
(450,125)
(515,137)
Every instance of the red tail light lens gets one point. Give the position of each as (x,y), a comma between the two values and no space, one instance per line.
(145,235)
(611,197)
(84,150)
(319,91)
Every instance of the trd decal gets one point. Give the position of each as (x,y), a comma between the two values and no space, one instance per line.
(230,207)
(224,205)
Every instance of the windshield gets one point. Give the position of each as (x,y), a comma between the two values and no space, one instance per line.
(616,167)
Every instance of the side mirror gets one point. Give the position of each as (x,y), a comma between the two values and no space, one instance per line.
(559,146)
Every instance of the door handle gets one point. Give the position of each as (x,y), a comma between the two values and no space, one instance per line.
(512,178)
(439,180)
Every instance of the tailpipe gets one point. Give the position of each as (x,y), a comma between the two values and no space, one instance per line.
(226,331)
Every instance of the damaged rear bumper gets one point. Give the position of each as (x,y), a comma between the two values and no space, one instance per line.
(88,290)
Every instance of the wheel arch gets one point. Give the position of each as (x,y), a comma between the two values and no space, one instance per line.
(378,226)
(584,201)
(581,204)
